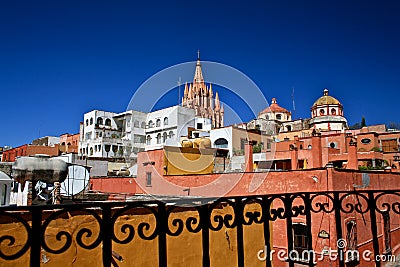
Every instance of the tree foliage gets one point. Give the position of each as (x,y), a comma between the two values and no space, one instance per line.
(363,124)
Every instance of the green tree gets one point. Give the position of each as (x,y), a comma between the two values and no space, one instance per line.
(355,126)
(363,124)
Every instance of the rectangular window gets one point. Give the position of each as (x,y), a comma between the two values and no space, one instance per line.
(390,145)
(351,238)
(268,145)
(351,235)
(139,139)
(3,196)
(386,230)
(300,240)
(242,143)
(148,178)
(199,126)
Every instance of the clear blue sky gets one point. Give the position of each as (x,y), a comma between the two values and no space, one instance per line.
(60,59)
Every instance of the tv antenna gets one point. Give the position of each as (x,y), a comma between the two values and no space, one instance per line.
(294,106)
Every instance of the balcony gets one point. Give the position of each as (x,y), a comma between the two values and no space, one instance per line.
(228,231)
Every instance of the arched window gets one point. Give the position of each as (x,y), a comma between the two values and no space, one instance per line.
(221,143)
(107,148)
(148,140)
(87,122)
(158,123)
(278,116)
(151,124)
(143,125)
(289,128)
(164,137)
(108,122)
(171,134)
(95,148)
(91,121)
(63,143)
(91,151)
(333,111)
(266,117)
(159,138)
(321,112)
(100,121)
(68,144)
(136,124)
(165,121)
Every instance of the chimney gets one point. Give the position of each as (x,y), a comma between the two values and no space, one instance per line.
(248,156)
(352,157)
(294,155)
(316,150)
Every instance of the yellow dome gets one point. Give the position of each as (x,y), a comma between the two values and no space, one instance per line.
(326,100)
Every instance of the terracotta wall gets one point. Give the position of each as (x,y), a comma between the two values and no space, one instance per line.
(29,150)
(125,185)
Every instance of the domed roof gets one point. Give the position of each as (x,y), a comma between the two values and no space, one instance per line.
(274,107)
(326,100)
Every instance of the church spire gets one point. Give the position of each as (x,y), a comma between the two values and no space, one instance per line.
(198,74)
(186,91)
(217,104)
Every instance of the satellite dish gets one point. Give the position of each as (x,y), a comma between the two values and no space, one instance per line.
(77,180)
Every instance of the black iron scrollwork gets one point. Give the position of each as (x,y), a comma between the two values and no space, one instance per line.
(66,237)
(9,240)
(227,220)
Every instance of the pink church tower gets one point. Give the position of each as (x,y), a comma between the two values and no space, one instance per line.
(199,96)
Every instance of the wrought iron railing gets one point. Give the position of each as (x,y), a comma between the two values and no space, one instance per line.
(370,207)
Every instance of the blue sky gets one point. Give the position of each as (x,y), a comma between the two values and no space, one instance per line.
(60,59)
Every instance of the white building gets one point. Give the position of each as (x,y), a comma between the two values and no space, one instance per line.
(100,135)
(133,132)
(110,135)
(222,138)
(166,126)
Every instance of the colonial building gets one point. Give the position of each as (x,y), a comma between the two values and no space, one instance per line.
(199,96)
(100,135)
(133,125)
(166,126)
(106,134)
(69,143)
(327,114)
(270,120)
